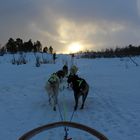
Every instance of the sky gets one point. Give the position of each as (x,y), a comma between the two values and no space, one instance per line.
(69,24)
(112,106)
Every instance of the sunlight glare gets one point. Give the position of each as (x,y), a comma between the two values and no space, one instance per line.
(74,47)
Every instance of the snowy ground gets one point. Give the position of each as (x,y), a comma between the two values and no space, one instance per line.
(112,106)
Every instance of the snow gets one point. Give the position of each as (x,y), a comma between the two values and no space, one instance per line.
(112,106)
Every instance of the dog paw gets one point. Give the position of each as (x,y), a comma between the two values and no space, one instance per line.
(75,108)
(82,107)
(54,109)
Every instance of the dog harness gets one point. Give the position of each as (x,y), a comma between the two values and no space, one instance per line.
(80,82)
(53,78)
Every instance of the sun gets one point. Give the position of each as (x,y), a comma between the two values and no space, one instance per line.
(74,47)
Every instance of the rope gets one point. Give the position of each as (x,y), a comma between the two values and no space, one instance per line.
(72,115)
(63,118)
(64,108)
(60,112)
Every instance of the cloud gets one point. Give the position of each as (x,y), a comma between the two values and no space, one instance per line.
(96,24)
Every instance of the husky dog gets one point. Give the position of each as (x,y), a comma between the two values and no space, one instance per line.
(60,74)
(73,70)
(65,69)
(80,88)
(52,88)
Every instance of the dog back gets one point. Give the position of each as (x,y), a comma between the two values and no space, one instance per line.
(60,74)
(52,87)
(65,69)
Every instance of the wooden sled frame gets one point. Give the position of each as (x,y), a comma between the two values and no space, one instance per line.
(35,131)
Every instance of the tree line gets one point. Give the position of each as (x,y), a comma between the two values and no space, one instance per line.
(17,45)
(129,50)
